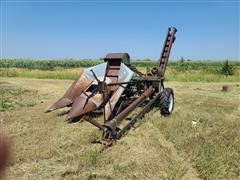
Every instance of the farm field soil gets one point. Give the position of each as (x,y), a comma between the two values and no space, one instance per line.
(45,146)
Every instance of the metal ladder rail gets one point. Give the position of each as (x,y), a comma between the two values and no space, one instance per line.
(167,49)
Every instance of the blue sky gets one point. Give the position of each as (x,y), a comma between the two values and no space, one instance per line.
(90,29)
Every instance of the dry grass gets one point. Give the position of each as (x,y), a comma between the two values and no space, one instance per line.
(171,74)
(47,147)
(57,73)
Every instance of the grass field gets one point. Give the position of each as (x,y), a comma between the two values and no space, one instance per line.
(46,147)
(181,65)
(171,74)
(184,71)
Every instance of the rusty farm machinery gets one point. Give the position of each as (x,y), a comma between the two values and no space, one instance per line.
(116,89)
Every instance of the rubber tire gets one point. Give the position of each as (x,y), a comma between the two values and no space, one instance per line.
(165,102)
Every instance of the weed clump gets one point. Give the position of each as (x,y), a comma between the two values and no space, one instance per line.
(227,69)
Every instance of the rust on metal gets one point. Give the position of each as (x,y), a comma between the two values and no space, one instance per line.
(77,87)
(116,88)
(81,106)
(160,67)
(117,119)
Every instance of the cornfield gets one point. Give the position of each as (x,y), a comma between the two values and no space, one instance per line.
(181,65)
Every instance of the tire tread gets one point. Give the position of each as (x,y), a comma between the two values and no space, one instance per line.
(164,101)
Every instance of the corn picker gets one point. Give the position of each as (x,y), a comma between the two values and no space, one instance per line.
(116,88)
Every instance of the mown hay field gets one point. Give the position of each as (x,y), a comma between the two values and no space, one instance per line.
(45,146)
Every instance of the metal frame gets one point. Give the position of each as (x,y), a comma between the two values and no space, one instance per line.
(118,99)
